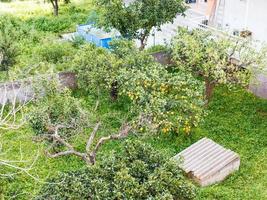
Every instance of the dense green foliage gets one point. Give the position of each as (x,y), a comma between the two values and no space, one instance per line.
(10,34)
(218,60)
(170,101)
(138,172)
(61,23)
(137,19)
(31,45)
(94,67)
(166,101)
(54,52)
(57,107)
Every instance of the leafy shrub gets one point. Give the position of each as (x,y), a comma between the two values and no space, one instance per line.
(71,17)
(157,48)
(77,41)
(94,67)
(216,60)
(57,107)
(10,33)
(16,42)
(123,47)
(139,172)
(49,24)
(54,52)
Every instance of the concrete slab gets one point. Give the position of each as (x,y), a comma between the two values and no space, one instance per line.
(207,162)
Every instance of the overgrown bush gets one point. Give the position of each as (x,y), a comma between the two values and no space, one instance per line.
(77,41)
(61,23)
(156,49)
(138,172)
(216,60)
(170,102)
(10,33)
(95,67)
(53,52)
(17,41)
(123,47)
(50,24)
(57,107)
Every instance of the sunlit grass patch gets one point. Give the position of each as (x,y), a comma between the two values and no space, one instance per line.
(25,9)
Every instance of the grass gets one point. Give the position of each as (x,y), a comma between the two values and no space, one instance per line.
(25,8)
(28,9)
(236,120)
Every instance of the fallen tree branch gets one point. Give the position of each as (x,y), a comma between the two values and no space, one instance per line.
(92,137)
(88,156)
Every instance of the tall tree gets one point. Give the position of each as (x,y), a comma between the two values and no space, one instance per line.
(136,19)
(216,59)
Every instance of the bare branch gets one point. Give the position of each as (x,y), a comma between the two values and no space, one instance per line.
(124,132)
(14,97)
(92,137)
(88,156)
(26,170)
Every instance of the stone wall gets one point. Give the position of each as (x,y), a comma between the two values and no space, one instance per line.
(23,91)
(258,86)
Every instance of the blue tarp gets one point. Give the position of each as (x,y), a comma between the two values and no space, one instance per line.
(95,35)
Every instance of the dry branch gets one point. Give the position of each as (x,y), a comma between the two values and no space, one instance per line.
(89,156)
(13,99)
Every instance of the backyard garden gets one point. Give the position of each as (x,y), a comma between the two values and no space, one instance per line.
(113,133)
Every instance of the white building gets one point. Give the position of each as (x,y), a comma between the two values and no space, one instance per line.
(236,16)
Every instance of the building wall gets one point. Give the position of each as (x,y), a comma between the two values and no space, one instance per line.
(246,14)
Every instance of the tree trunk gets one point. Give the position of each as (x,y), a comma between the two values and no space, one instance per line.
(143,41)
(55,6)
(208,90)
(114,91)
(143,45)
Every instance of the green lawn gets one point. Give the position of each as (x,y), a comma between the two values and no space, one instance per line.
(236,120)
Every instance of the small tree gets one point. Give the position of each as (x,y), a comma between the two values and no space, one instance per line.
(96,69)
(217,60)
(166,101)
(136,20)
